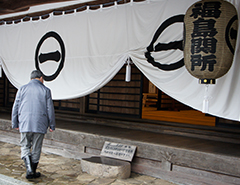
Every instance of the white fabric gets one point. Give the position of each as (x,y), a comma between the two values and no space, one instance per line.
(98,43)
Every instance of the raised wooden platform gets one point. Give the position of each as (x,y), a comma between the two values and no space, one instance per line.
(183,116)
(160,153)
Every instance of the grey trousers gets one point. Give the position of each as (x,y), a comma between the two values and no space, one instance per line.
(31,144)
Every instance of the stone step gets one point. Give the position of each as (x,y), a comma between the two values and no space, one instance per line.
(105,167)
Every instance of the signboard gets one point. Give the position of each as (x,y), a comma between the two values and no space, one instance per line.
(118,151)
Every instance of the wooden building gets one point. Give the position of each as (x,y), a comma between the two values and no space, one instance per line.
(137,99)
(139,106)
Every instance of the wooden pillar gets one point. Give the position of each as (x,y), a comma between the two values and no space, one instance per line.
(82,105)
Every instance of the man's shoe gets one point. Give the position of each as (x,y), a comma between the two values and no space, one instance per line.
(29,173)
(34,168)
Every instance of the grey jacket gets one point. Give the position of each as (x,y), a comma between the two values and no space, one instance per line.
(33,109)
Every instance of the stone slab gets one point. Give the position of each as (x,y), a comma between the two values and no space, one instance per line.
(5,180)
(105,167)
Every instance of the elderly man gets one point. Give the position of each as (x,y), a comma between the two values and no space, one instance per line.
(32,114)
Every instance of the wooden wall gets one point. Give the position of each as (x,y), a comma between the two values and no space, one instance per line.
(7,92)
(2,89)
(72,104)
(118,96)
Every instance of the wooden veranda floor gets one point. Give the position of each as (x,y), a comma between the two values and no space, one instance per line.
(182,116)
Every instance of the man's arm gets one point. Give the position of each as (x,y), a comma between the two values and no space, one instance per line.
(51,112)
(15,109)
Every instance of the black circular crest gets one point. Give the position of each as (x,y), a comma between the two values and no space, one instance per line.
(39,58)
(163,46)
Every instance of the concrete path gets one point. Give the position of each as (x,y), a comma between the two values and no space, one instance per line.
(57,170)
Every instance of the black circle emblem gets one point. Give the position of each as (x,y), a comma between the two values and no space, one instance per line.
(232,33)
(54,56)
(164,47)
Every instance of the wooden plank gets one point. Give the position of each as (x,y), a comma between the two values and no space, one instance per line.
(207,174)
(183,116)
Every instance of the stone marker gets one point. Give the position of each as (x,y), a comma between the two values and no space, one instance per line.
(118,151)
